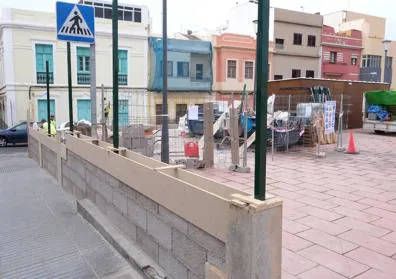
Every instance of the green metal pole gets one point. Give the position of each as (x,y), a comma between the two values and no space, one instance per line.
(165,118)
(261,98)
(48,97)
(115,75)
(70,89)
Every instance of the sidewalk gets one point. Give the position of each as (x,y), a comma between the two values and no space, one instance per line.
(41,234)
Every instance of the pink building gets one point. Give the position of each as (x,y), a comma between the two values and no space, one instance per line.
(234,62)
(341,54)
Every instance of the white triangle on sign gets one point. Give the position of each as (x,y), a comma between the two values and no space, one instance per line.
(75,25)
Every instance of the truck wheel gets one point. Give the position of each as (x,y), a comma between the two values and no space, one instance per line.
(379,132)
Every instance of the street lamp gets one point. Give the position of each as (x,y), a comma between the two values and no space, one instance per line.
(255,26)
(386,49)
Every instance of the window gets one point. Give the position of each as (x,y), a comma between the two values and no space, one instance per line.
(388,62)
(297,39)
(279,43)
(43,54)
(249,70)
(83,65)
(181,111)
(170,68)
(278,77)
(42,108)
(199,71)
(183,69)
(21,127)
(123,67)
(371,61)
(231,68)
(311,41)
(310,74)
(123,114)
(84,109)
(354,61)
(125,13)
(296,73)
(333,57)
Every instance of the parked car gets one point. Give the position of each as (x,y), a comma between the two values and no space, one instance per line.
(14,135)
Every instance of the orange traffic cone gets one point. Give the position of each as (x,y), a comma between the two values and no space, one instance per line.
(351,146)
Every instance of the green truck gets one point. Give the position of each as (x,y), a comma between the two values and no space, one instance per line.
(379,111)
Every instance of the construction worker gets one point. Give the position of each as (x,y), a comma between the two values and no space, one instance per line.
(106,111)
(52,123)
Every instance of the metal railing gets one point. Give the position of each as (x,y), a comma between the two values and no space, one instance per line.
(83,78)
(122,79)
(42,78)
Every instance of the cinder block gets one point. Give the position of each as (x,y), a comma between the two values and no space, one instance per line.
(161,232)
(107,178)
(189,252)
(77,164)
(120,202)
(122,223)
(218,262)
(172,219)
(101,203)
(91,194)
(99,186)
(215,247)
(147,243)
(137,214)
(67,186)
(172,266)
(147,203)
(127,190)
(78,193)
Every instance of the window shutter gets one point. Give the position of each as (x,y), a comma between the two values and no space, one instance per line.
(340,57)
(326,56)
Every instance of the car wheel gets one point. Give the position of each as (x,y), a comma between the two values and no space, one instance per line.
(379,132)
(3,141)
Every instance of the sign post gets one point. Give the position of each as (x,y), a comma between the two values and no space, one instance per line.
(48,98)
(74,23)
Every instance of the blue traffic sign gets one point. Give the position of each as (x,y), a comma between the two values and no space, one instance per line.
(75,22)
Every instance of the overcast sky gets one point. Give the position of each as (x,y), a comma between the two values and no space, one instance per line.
(198,15)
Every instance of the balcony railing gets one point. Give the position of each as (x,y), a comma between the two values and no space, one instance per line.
(83,78)
(42,78)
(203,80)
(123,79)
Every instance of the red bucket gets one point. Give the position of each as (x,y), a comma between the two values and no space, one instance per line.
(191,149)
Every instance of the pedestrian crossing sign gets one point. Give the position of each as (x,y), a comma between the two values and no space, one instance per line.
(75,22)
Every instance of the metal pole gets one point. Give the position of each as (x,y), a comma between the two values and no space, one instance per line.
(262,99)
(386,55)
(70,90)
(48,98)
(115,74)
(245,99)
(287,124)
(340,124)
(93,91)
(165,129)
(103,120)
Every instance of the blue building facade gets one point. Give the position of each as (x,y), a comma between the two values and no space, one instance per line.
(189,65)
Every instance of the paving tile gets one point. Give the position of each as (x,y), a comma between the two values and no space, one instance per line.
(286,194)
(333,261)
(293,227)
(373,243)
(348,203)
(294,263)
(343,195)
(374,274)
(322,225)
(320,213)
(313,194)
(356,214)
(292,214)
(375,260)
(318,203)
(385,223)
(386,196)
(330,242)
(286,275)
(391,237)
(371,229)
(294,243)
(379,204)
(320,272)
(381,213)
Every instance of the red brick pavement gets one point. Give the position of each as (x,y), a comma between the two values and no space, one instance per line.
(339,217)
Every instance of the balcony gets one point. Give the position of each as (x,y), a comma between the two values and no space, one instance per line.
(123,79)
(42,78)
(338,68)
(83,78)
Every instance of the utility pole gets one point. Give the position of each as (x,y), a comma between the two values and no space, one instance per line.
(93,91)
(165,118)
(261,98)
(48,98)
(69,87)
(115,74)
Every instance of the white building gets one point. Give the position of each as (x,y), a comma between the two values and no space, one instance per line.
(28,39)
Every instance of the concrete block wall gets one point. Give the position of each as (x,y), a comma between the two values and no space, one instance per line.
(33,148)
(49,160)
(180,247)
